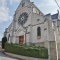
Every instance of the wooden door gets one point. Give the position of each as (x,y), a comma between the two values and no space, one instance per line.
(21,39)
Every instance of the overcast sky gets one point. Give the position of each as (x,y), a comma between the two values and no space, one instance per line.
(8,7)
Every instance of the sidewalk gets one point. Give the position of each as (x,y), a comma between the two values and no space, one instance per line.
(1,50)
(14,56)
(22,57)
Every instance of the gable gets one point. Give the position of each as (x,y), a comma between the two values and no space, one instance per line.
(36,10)
(23,4)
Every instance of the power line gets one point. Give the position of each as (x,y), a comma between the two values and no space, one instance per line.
(57,4)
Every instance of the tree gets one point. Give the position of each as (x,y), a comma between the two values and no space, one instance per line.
(4,40)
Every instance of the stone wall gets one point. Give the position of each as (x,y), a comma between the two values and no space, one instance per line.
(39,44)
(51,46)
(58,46)
(53,53)
(51,50)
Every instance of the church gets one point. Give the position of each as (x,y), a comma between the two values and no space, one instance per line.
(31,27)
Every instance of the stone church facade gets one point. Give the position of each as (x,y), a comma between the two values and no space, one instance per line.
(31,27)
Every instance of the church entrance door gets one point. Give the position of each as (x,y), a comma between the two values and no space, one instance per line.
(21,39)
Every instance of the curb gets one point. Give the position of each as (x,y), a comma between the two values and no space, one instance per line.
(2,50)
(19,57)
(14,56)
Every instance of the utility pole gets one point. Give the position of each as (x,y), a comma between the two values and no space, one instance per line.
(57,4)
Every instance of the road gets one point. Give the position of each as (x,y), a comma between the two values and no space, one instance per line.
(5,57)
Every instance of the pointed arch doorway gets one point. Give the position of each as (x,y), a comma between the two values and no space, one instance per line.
(21,40)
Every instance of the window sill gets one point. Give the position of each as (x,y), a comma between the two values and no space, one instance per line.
(39,37)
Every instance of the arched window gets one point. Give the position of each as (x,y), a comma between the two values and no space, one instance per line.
(38,31)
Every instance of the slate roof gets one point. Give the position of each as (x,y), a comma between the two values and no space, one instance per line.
(55,16)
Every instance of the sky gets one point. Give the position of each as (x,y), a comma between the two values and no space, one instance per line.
(8,7)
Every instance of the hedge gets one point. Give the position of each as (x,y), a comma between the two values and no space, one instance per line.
(38,52)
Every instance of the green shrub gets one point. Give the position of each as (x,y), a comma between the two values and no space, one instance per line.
(4,40)
(27,51)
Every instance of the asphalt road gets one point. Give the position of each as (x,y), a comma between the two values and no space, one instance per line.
(5,57)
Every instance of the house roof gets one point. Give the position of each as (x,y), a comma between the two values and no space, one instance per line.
(55,16)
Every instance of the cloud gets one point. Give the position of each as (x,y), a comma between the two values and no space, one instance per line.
(14,1)
(4,11)
(47,6)
(47,3)
(2,2)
